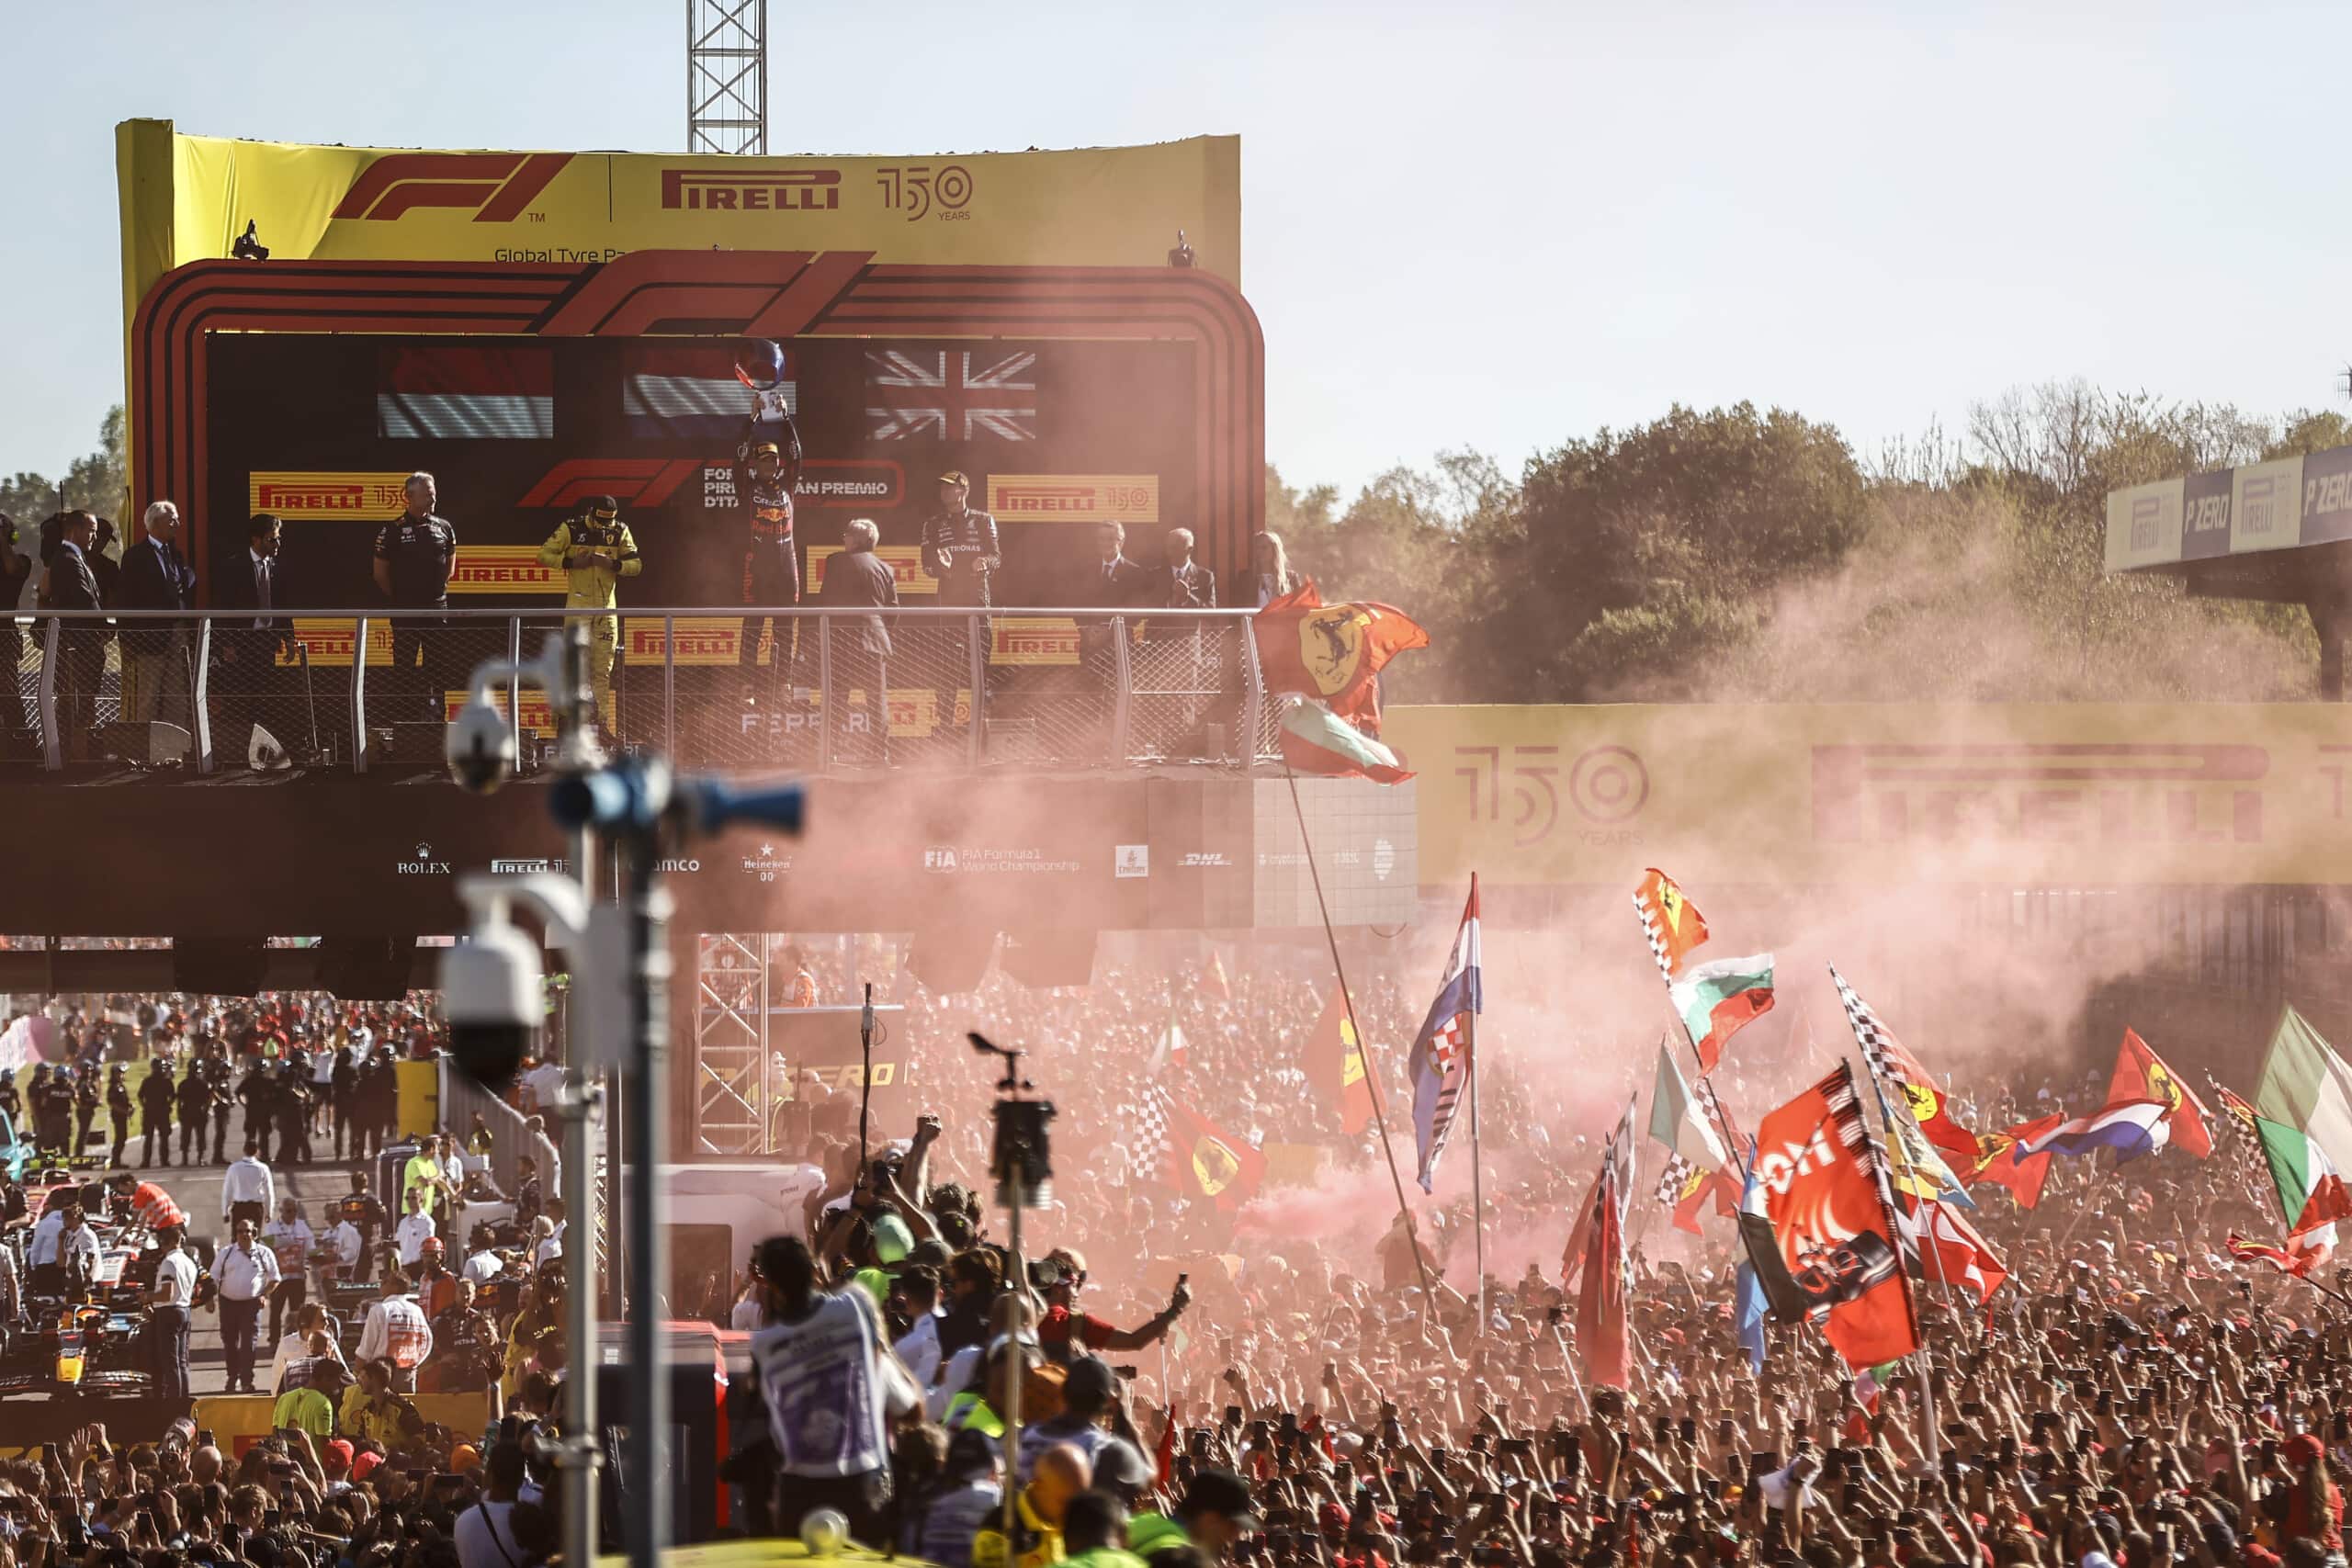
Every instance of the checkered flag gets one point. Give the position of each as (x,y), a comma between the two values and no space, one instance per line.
(1670,1180)
(1656,938)
(1880,1053)
(1147,1144)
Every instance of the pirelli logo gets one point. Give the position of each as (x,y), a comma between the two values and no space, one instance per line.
(711,640)
(2064,793)
(1074,498)
(764,190)
(1033,640)
(329,641)
(538,717)
(322,498)
(905,562)
(503,569)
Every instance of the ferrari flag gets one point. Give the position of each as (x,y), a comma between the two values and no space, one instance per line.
(1331,652)
(2141,1073)
(1335,1066)
(1671,923)
(1832,1216)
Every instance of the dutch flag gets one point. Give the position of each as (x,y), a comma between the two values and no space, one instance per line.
(2131,1128)
(692,392)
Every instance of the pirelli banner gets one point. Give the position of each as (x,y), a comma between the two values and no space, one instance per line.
(188,197)
(2069,795)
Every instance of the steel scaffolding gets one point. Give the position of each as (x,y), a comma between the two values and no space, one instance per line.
(726,76)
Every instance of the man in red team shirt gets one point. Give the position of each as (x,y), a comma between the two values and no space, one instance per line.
(1066,1333)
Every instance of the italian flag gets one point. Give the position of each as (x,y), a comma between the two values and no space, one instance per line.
(2303,1110)
(1719,998)
(1317,741)
(2311,1191)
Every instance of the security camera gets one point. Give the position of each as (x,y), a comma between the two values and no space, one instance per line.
(481,749)
(491,996)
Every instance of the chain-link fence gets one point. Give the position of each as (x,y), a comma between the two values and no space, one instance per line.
(806,690)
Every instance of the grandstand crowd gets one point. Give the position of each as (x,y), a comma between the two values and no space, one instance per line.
(2126,1392)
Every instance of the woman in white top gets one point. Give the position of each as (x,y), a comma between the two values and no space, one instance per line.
(1269,567)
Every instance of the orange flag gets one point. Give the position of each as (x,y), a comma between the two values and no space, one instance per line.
(1335,1066)
(2141,1073)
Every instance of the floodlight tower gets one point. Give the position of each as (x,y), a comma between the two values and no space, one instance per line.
(726,76)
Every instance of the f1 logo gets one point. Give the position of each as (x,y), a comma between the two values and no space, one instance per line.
(497,184)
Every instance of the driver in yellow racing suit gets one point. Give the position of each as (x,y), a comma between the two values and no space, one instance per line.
(595,552)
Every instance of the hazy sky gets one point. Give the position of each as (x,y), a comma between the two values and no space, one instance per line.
(1494,225)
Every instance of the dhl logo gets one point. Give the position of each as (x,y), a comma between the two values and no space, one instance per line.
(1074,498)
(1033,640)
(330,642)
(503,569)
(905,562)
(2114,793)
(766,190)
(538,717)
(496,185)
(315,498)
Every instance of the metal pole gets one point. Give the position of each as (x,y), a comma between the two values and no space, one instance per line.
(1477,1184)
(581,1454)
(1017,1275)
(647,1477)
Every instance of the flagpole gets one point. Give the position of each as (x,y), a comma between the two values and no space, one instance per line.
(1363,1046)
(1926,1362)
(1477,1183)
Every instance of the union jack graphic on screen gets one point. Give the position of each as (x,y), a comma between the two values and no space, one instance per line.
(951,394)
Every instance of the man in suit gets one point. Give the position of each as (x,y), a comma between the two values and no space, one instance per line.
(16,569)
(1109,581)
(861,644)
(160,681)
(70,585)
(246,674)
(961,551)
(1182,652)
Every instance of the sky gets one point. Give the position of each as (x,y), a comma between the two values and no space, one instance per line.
(1478,224)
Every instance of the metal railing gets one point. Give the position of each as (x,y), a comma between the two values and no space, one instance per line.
(820,690)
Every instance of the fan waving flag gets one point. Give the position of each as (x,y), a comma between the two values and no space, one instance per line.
(2141,1073)
(1676,1119)
(1720,997)
(1833,1216)
(2133,1130)
(2311,1191)
(1317,741)
(1600,1294)
(1441,1058)
(1671,923)
(1332,653)
(2002,1160)
(1892,1065)
(1176,1144)
(1335,1066)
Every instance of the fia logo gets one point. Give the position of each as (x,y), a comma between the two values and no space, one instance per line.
(940,858)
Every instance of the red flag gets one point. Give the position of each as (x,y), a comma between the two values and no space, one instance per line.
(1203,1162)
(2297,1257)
(1951,1252)
(2141,1073)
(1691,1201)
(2001,1159)
(1332,652)
(1335,1066)
(1579,1241)
(1601,1299)
(1215,980)
(1833,1212)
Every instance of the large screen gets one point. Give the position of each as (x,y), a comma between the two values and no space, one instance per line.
(1056,437)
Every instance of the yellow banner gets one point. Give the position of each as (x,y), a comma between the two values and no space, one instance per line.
(1074,498)
(538,718)
(2041,793)
(503,569)
(188,197)
(329,640)
(905,562)
(315,498)
(1033,640)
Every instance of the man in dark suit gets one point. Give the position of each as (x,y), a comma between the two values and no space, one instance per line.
(1111,581)
(861,644)
(70,585)
(161,682)
(1180,655)
(245,676)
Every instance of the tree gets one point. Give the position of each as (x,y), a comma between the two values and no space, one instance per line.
(98,481)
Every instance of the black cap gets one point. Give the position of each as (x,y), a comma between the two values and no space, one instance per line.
(1221,1492)
(604,506)
(1090,1382)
